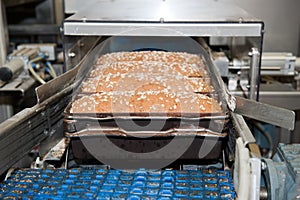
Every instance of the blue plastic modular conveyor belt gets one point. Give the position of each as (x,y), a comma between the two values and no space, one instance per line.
(85,183)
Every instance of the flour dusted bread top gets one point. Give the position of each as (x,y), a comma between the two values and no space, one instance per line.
(129,82)
(146,102)
(146,82)
(148,67)
(159,56)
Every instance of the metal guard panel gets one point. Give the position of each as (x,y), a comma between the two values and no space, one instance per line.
(163,29)
(158,10)
(174,18)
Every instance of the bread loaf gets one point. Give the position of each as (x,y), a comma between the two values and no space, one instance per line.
(147,82)
(146,102)
(129,82)
(146,67)
(159,56)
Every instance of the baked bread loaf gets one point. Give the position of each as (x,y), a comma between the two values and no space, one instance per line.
(129,82)
(143,103)
(154,98)
(146,67)
(158,56)
(94,103)
(147,82)
(173,103)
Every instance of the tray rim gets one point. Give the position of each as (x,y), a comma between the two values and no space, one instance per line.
(118,132)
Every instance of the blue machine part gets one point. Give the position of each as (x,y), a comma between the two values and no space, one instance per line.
(82,183)
(283,173)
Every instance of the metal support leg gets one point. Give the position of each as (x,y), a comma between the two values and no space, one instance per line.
(254,73)
(6,111)
(3,34)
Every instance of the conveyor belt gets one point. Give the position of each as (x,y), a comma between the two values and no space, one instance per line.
(117,184)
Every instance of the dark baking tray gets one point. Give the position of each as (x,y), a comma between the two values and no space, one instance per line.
(136,123)
(145,145)
(202,127)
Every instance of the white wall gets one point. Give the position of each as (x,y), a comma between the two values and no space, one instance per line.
(282,22)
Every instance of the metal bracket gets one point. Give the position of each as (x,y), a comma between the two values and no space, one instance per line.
(266,113)
(242,128)
(254,72)
(255,169)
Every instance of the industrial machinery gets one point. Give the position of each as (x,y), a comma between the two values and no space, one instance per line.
(206,162)
(26,68)
(35,49)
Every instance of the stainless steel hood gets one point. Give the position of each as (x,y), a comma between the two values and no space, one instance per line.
(173,18)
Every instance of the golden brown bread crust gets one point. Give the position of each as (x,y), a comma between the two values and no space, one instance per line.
(147,82)
(145,103)
(157,98)
(95,103)
(146,67)
(171,103)
(129,82)
(158,56)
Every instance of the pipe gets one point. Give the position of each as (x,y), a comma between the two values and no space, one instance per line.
(11,69)
(3,34)
(34,74)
